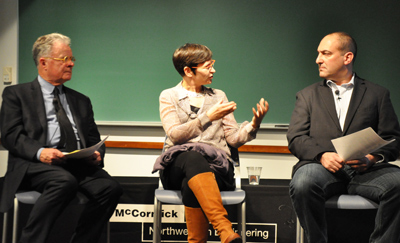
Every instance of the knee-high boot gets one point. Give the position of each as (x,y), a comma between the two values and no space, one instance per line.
(197,225)
(205,188)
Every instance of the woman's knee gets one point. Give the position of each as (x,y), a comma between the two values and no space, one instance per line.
(187,158)
(193,163)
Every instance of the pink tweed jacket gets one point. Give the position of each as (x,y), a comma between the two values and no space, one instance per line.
(181,125)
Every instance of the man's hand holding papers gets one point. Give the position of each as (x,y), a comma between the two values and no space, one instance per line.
(91,155)
(355,149)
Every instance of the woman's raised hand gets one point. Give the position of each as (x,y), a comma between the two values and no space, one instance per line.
(262,109)
(220,109)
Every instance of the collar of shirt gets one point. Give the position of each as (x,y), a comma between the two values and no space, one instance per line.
(342,95)
(53,132)
(183,93)
(344,87)
(47,88)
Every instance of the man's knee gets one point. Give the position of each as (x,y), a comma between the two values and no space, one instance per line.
(64,182)
(300,185)
(116,190)
(393,187)
(307,178)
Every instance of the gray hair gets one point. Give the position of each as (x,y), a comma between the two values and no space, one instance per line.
(43,45)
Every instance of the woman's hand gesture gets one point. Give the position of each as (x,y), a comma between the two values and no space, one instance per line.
(220,109)
(262,109)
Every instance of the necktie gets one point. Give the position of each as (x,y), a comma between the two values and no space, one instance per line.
(67,133)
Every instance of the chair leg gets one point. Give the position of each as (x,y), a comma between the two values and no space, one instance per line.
(15,221)
(299,232)
(239,219)
(157,221)
(4,237)
(243,221)
(108,232)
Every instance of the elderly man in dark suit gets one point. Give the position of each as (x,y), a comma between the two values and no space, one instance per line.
(39,121)
(341,104)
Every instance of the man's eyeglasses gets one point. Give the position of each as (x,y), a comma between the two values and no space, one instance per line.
(64,59)
(209,66)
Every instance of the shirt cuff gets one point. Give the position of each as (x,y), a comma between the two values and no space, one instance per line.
(249,128)
(204,120)
(38,153)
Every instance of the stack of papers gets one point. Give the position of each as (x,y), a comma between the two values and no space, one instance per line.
(358,144)
(86,152)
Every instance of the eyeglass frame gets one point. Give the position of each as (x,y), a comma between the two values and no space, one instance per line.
(209,66)
(64,59)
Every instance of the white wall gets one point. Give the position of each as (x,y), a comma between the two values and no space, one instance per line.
(8,52)
(8,38)
(139,162)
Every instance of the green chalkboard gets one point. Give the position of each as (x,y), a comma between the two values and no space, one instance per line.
(263,48)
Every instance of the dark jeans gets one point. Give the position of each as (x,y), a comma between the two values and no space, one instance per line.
(312,185)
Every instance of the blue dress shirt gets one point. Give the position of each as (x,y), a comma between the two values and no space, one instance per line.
(53,129)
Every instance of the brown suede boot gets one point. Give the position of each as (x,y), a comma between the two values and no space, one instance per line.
(197,225)
(205,188)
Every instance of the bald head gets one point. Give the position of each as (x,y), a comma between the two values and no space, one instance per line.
(346,43)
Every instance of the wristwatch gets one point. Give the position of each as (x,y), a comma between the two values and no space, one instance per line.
(382,158)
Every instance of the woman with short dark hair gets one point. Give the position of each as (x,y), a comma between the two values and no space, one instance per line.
(199,124)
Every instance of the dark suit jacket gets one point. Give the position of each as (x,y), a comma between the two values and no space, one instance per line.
(314,120)
(24,130)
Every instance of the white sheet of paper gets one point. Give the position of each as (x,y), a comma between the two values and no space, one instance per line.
(358,144)
(86,152)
